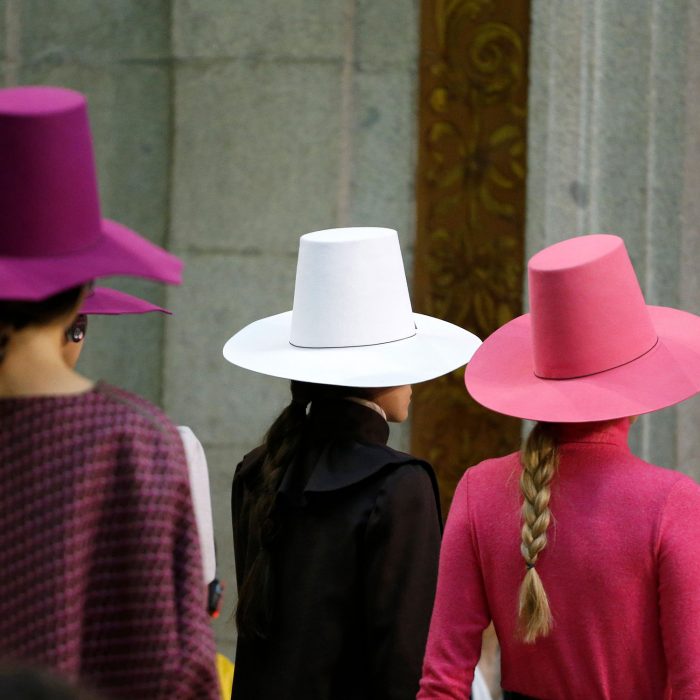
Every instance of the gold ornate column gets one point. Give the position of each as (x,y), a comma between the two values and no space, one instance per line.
(471,209)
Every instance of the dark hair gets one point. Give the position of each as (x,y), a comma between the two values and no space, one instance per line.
(256,596)
(16,315)
(32,684)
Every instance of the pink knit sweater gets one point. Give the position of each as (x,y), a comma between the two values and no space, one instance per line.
(100,569)
(621,569)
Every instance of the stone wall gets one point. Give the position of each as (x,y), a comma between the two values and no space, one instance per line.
(613,148)
(225,130)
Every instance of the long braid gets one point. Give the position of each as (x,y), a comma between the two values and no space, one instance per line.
(256,596)
(539,459)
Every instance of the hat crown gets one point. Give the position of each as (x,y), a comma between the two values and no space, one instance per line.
(49,201)
(350,289)
(588,312)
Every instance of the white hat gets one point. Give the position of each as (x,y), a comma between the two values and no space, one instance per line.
(352,323)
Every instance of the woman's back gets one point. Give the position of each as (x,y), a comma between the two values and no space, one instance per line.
(621,570)
(355,562)
(101,576)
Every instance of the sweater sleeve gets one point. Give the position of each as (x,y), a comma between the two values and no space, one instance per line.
(402,544)
(461,612)
(201,499)
(678,551)
(196,671)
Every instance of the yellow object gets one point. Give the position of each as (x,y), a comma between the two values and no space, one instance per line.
(224,668)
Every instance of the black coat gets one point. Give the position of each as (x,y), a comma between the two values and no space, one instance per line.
(355,565)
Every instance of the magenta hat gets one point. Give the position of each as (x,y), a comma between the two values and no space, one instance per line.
(111,302)
(590,349)
(52,235)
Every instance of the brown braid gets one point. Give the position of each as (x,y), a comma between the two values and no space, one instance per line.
(539,459)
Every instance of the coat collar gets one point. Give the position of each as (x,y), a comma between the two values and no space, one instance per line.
(610,432)
(344,444)
(329,421)
(347,420)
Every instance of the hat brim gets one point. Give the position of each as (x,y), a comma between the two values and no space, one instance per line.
(501,377)
(112,302)
(119,251)
(438,347)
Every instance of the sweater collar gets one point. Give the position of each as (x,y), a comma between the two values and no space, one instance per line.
(611,432)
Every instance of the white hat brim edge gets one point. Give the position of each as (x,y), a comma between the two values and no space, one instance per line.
(437,348)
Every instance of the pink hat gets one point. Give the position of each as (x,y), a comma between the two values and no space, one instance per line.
(590,349)
(52,236)
(110,302)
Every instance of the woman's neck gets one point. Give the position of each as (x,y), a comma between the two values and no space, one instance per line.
(369,404)
(33,365)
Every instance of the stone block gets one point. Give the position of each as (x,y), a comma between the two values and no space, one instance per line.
(10,13)
(384,155)
(297,29)
(621,169)
(387,34)
(688,455)
(558,186)
(223,293)
(3,39)
(668,146)
(94,31)
(256,154)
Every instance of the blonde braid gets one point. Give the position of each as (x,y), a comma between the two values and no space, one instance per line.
(539,459)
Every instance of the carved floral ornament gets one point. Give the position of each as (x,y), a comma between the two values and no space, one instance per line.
(471,205)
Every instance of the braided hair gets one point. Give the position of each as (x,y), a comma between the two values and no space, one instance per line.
(539,459)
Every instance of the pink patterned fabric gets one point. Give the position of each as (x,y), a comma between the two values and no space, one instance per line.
(100,570)
(621,570)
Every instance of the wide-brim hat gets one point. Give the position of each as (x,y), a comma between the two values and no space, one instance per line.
(112,302)
(590,349)
(52,234)
(351,322)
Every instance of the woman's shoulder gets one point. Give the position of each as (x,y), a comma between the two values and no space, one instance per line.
(406,488)
(345,464)
(490,479)
(250,464)
(131,412)
(489,472)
